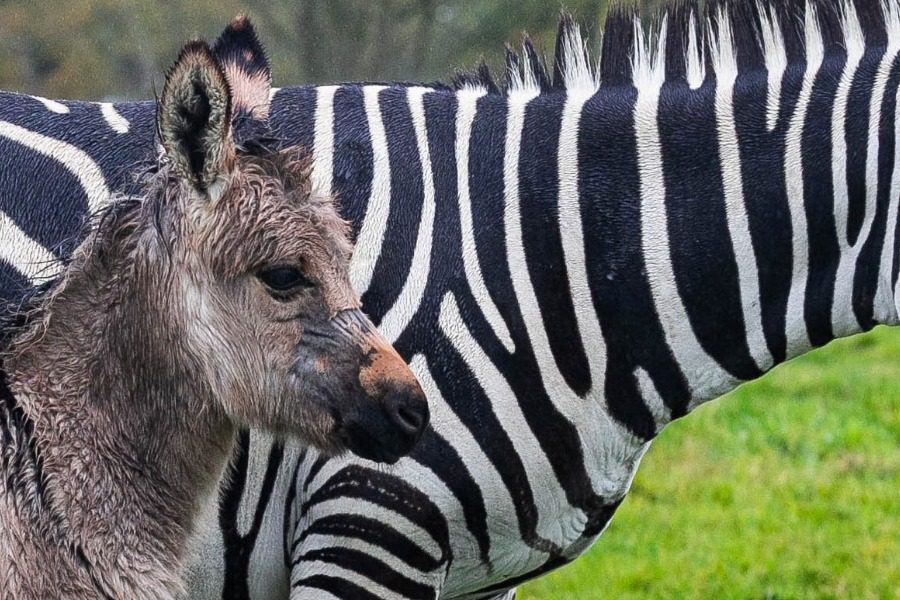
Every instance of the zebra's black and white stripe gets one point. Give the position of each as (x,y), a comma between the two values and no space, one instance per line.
(568,264)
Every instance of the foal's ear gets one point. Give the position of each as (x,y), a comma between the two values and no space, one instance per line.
(195,119)
(243,57)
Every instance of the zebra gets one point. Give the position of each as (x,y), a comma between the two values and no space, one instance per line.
(569,262)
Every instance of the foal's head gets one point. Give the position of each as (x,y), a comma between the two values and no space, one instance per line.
(257,266)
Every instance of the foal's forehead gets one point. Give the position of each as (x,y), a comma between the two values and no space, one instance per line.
(270,214)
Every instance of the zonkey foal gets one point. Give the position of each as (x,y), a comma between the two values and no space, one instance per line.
(219,299)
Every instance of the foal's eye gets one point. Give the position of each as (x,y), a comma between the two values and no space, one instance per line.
(284,279)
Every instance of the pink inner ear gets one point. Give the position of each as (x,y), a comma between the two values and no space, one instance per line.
(249,91)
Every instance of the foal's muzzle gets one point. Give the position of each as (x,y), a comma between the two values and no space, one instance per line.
(393,414)
(392,430)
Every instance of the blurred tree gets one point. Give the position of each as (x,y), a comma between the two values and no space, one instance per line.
(96,49)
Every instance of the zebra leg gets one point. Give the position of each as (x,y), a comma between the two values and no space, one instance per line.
(359,533)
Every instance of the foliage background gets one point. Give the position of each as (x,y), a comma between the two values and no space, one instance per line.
(118,49)
(787,489)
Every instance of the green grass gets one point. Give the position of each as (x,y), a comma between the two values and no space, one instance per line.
(787,488)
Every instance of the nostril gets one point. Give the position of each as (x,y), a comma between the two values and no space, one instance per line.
(409,418)
(410,415)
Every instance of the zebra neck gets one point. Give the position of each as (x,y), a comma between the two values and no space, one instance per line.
(708,232)
(654,244)
(767,209)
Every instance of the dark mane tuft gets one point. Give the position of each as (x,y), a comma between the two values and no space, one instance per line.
(480,77)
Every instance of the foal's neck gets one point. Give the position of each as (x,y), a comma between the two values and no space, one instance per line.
(128,452)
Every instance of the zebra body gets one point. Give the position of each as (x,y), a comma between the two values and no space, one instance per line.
(567,268)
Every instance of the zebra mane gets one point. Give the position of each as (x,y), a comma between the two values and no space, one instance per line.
(691,40)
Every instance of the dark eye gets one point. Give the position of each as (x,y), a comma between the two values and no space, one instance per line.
(284,279)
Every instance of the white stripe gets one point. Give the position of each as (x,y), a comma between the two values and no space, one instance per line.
(273,91)
(321,541)
(297,591)
(885,307)
(652,399)
(323,144)
(555,384)
(407,303)
(371,234)
(855,46)
(465,116)
(577,75)
(465,547)
(309,567)
(53,105)
(725,64)
(331,468)
(775,56)
(493,489)
(523,79)
(705,377)
(260,444)
(540,474)
(841,307)
(572,236)
(587,414)
(795,326)
(117,122)
(843,317)
(75,160)
(25,255)
(345,505)
(696,63)
(886,301)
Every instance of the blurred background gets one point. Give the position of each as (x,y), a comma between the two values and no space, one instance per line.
(119,49)
(786,489)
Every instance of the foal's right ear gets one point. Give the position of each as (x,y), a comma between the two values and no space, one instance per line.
(195,120)
(244,61)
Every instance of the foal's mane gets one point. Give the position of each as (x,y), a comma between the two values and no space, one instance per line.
(688,40)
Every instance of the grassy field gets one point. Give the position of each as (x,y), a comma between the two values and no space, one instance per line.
(788,488)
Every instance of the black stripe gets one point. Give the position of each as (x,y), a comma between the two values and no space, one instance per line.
(539,193)
(610,206)
(818,191)
(353,159)
(406,204)
(238,548)
(336,586)
(392,493)
(701,250)
(868,264)
(372,568)
(857,120)
(373,532)
(294,115)
(320,462)
(768,214)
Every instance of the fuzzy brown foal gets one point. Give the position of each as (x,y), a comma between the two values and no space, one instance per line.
(221,298)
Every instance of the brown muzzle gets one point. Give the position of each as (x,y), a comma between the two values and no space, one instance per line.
(394,413)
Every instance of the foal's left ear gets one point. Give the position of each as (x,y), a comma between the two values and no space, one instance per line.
(195,119)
